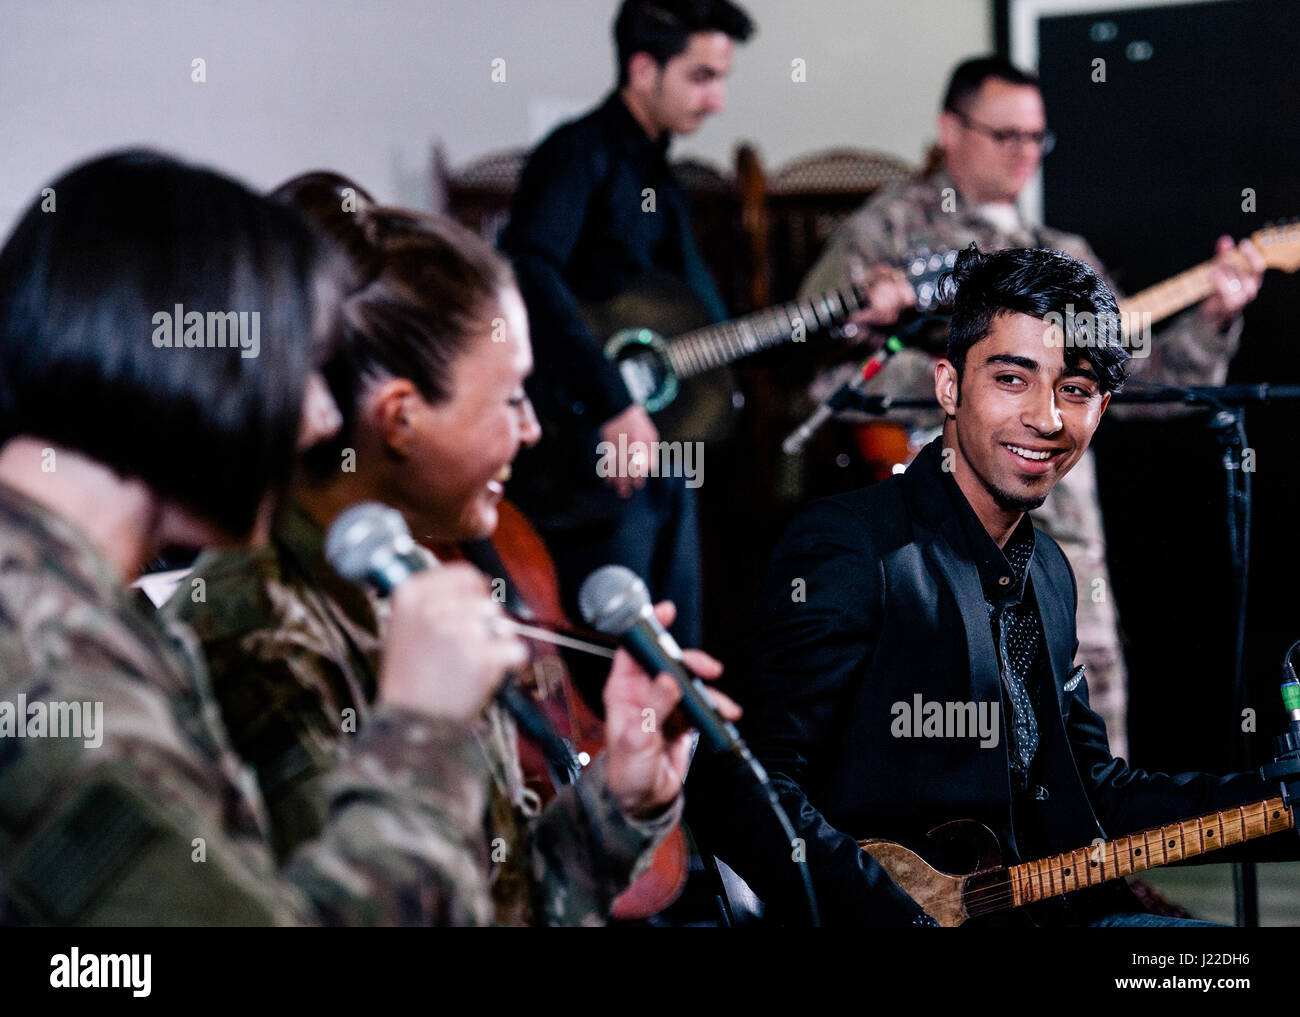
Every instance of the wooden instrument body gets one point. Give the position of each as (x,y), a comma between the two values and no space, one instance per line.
(661,314)
(638,323)
(559,480)
(941,894)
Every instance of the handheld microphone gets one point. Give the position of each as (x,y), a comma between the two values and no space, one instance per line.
(867,370)
(371,544)
(614,600)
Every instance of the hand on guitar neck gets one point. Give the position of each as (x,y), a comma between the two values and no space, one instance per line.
(1237,272)
(639,435)
(887,295)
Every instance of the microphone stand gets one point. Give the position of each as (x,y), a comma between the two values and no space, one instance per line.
(1227,423)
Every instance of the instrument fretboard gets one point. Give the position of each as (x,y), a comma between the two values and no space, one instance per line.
(704,349)
(1177,293)
(1147,849)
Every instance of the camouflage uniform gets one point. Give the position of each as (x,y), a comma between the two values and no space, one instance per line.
(161,824)
(911,215)
(294,651)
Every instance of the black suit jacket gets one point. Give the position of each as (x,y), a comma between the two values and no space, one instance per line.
(870,599)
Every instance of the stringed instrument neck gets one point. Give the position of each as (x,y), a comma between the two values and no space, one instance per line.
(717,345)
(1278,244)
(1147,849)
(1165,299)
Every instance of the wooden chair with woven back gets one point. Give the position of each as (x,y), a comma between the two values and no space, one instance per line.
(808,197)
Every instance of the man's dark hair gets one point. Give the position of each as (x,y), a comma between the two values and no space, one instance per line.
(1037,282)
(128,236)
(415,288)
(969,76)
(663,28)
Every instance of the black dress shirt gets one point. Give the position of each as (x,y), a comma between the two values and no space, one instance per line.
(1016,627)
(1017,631)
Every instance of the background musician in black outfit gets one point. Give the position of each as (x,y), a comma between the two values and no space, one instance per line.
(597,208)
(935,584)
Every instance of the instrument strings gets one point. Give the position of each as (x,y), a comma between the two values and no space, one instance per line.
(1001,897)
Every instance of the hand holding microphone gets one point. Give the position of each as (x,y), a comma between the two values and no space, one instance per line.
(615,601)
(448,649)
(648,740)
(449,645)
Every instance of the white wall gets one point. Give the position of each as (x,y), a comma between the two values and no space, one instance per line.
(365,88)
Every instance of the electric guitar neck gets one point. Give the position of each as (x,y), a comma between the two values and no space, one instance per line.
(1280,246)
(952,899)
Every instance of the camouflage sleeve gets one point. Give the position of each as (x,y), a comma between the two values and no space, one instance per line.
(872,235)
(404,844)
(868,236)
(159,824)
(1189,351)
(276,714)
(586,851)
(290,692)
(1076,247)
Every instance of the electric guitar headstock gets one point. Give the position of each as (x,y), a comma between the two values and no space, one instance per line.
(924,268)
(1279,243)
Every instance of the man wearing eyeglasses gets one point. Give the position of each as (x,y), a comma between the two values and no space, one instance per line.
(992,135)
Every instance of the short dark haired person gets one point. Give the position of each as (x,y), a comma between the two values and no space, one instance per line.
(934,585)
(665,29)
(125,427)
(969,76)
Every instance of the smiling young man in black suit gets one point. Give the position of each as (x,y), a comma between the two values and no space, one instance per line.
(914,640)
